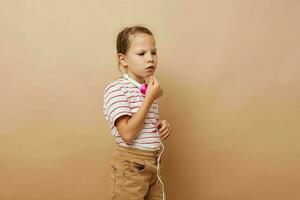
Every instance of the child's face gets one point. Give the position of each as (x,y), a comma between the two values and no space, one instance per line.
(141,58)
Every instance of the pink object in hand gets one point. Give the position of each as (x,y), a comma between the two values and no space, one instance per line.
(143,88)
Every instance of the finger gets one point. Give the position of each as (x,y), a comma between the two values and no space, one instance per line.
(162,129)
(165,131)
(164,125)
(158,123)
(168,130)
(155,80)
(165,136)
(150,80)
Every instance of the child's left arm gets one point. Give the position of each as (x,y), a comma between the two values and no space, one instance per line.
(164,129)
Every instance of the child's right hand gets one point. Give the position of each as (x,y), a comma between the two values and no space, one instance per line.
(154,90)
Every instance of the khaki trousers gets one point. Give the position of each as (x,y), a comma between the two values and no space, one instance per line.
(134,175)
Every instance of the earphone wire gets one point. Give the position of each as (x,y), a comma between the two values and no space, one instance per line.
(160,153)
(158,171)
(132,80)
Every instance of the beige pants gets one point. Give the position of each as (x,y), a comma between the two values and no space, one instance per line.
(133,175)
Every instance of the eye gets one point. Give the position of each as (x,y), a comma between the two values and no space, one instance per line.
(154,53)
(141,54)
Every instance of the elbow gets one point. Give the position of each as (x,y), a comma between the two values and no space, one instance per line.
(128,142)
(127,138)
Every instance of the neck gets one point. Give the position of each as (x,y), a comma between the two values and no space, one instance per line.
(137,79)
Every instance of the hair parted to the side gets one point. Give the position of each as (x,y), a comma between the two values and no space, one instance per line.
(124,38)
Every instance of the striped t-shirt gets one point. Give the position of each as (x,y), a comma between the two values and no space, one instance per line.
(121,97)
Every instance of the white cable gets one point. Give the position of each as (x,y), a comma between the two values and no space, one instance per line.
(137,84)
(158,171)
(158,159)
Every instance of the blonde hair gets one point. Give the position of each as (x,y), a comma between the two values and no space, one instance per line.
(124,38)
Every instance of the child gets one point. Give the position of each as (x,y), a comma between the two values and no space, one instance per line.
(131,109)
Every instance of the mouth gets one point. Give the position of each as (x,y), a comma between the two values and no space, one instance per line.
(151,68)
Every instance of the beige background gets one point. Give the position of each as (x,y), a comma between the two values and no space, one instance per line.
(230,71)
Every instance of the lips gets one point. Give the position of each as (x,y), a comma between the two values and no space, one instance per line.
(150,67)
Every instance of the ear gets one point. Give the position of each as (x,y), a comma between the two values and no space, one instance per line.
(122,60)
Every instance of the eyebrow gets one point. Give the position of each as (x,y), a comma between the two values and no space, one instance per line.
(144,50)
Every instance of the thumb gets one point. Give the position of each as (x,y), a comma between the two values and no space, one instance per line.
(154,80)
(151,81)
(158,124)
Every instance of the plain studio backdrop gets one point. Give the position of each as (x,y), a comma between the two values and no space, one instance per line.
(230,73)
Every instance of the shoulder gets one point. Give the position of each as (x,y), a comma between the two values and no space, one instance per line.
(117,85)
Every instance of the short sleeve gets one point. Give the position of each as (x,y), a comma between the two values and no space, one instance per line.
(115,103)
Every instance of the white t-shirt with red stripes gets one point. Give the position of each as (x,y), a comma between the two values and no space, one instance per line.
(122,97)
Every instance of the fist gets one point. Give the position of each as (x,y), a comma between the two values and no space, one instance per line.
(154,90)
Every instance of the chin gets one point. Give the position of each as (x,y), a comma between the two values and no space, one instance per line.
(149,74)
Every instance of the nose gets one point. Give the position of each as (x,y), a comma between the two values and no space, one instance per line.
(149,57)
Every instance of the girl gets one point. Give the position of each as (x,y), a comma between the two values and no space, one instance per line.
(131,110)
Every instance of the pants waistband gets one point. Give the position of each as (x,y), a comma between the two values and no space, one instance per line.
(138,152)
